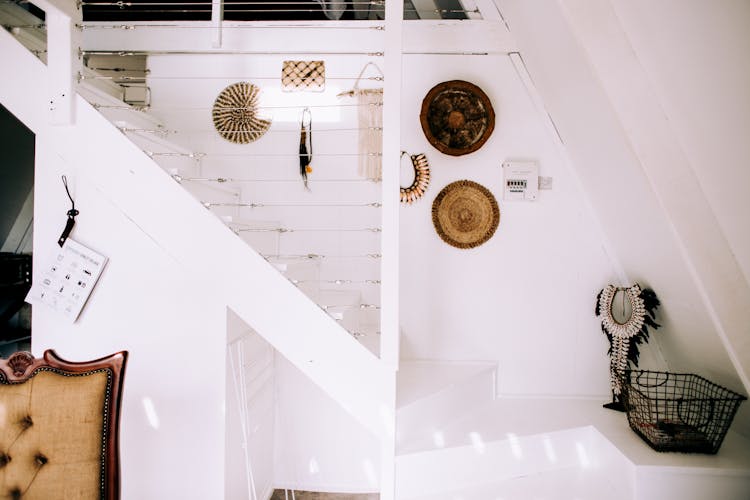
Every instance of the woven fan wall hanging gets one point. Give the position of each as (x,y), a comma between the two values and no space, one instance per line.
(235,114)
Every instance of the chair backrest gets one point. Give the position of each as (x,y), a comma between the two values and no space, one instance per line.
(59,427)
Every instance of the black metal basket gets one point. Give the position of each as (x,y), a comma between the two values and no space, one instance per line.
(678,411)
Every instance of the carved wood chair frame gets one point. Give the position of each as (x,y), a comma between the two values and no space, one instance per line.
(21,366)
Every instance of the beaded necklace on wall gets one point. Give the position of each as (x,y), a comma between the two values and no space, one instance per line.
(624,338)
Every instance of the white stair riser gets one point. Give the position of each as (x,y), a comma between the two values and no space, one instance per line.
(658,483)
(425,473)
(426,417)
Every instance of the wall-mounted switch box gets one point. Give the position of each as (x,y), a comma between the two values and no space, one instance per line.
(545,182)
(520,180)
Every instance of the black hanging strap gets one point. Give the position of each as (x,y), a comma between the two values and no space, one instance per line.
(71,215)
(305,145)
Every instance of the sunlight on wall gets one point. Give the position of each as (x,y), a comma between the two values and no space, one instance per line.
(369,468)
(515,446)
(477,443)
(153,418)
(439,439)
(583,457)
(313,466)
(388,418)
(549,450)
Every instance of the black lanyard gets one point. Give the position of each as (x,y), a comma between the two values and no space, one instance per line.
(71,215)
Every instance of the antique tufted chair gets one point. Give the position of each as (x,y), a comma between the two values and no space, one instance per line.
(59,426)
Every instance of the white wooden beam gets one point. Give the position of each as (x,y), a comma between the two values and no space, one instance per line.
(389,271)
(217,18)
(63,64)
(389,317)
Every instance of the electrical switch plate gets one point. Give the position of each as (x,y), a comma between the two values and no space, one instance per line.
(545,182)
(520,180)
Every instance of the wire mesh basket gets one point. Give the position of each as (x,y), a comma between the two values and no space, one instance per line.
(678,411)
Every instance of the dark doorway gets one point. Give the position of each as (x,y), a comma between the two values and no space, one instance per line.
(16,219)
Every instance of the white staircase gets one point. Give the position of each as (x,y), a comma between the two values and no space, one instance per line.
(431,394)
(198,240)
(558,449)
(455,439)
(290,227)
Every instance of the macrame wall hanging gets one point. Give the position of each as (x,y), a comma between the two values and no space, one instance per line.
(370,125)
(625,337)
(421,178)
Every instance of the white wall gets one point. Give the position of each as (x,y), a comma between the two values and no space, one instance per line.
(539,250)
(172,416)
(695,56)
(146,303)
(526,297)
(643,227)
(318,446)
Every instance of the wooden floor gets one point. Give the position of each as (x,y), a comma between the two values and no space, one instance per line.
(312,495)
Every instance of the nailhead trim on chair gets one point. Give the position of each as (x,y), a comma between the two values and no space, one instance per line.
(105,421)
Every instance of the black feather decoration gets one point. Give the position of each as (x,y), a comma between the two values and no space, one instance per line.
(305,145)
(629,340)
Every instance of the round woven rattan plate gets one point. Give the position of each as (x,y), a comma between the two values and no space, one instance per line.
(465,214)
(235,114)
(457,117)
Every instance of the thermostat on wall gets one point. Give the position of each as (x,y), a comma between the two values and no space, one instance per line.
(520,180)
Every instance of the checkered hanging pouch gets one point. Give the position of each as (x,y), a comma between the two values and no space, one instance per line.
(298,76)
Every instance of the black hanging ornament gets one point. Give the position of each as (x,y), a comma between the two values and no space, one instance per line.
(624,338)
(71,215)
(305,145)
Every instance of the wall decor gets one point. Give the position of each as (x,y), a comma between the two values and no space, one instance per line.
(370,125)
(457,117)
(305,145)
(72,213)
(67,279)
(465,214)
(625,336)
(421,178)
(235,114)
(298,76)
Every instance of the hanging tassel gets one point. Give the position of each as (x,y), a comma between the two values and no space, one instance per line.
(305,146)
(71,215)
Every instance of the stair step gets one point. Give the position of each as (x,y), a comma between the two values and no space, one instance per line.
(515,445)
(566,483)
(299,270)
(263,242)
(483,462)
(431,394)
